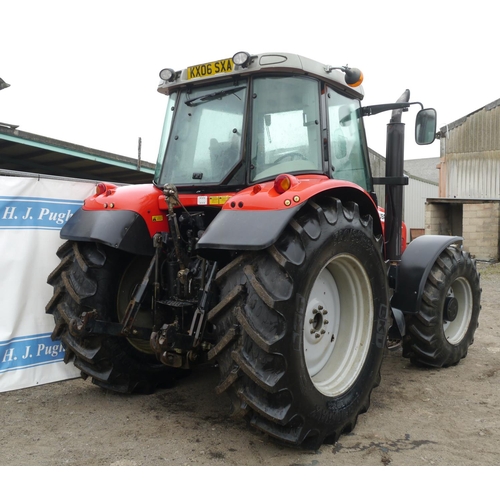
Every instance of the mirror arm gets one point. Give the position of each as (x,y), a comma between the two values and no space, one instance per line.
(380,108)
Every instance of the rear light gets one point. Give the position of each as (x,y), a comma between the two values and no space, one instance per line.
(100,188)
(282,183)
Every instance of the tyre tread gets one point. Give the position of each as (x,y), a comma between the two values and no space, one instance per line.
(254,371)
(78,283)
(425,343)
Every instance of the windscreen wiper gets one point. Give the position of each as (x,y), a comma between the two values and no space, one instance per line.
(210,97)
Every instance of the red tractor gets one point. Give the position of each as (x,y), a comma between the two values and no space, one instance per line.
(259,246)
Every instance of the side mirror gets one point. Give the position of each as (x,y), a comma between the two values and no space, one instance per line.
(425,126)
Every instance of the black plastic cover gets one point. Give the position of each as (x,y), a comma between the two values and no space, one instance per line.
(122,229)
(416,263)
(245,229)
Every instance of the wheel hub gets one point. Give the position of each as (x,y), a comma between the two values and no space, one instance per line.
(457,311)
(337,324)
(318,322)
(450,309)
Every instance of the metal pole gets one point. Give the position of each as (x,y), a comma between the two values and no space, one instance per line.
(139,147)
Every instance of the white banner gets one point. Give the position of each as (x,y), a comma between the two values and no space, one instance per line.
(32,212)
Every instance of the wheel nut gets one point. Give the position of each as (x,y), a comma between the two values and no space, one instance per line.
(322,332)
(317,336)
(320,307)
(325,311)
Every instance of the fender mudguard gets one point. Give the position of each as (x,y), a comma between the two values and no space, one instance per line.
(122,229)
(245,230)
(416,263)
(253,219)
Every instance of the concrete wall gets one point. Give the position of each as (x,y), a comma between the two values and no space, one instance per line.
(481,229)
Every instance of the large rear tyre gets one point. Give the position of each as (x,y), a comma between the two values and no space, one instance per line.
(302,326)
(93,276)
(440,334)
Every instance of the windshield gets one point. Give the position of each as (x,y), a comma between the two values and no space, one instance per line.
(204,143)
(286,131)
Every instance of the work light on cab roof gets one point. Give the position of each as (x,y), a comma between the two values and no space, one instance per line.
(243,60)
(167,75)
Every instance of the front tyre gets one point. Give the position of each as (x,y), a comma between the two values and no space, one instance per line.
(440,333)
(302,326)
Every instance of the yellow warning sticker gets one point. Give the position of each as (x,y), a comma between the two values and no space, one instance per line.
(157,218)
(218,200)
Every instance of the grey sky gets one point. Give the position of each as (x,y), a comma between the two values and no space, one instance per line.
(87,72)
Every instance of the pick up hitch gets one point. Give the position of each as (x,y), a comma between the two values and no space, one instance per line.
(169,343)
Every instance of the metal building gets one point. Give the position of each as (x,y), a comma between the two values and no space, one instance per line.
(469,183)
(470,152)
(25,152)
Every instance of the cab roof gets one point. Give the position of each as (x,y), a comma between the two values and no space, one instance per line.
(270,62)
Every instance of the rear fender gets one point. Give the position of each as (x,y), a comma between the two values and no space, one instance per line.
(416,263)
(254,218)
(122,229)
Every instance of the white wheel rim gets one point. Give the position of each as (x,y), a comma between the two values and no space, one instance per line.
(455,330)
(338,325)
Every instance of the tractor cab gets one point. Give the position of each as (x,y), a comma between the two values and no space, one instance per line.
(235,122)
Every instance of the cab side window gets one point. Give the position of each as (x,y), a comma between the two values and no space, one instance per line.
(347,156)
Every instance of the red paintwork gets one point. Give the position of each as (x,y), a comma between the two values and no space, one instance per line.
(381,213)
(142,198)
(267,198)
(148,201)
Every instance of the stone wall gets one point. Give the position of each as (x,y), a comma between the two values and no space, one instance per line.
(478,221)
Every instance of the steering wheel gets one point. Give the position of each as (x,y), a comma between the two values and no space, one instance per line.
(291,155)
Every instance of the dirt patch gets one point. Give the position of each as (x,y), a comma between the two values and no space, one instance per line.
(417,417)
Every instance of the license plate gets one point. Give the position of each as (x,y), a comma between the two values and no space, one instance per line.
(210,69)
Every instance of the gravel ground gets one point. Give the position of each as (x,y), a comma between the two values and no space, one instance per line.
(417,417)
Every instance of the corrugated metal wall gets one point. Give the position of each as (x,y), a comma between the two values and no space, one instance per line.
(415,196)
(471,151)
